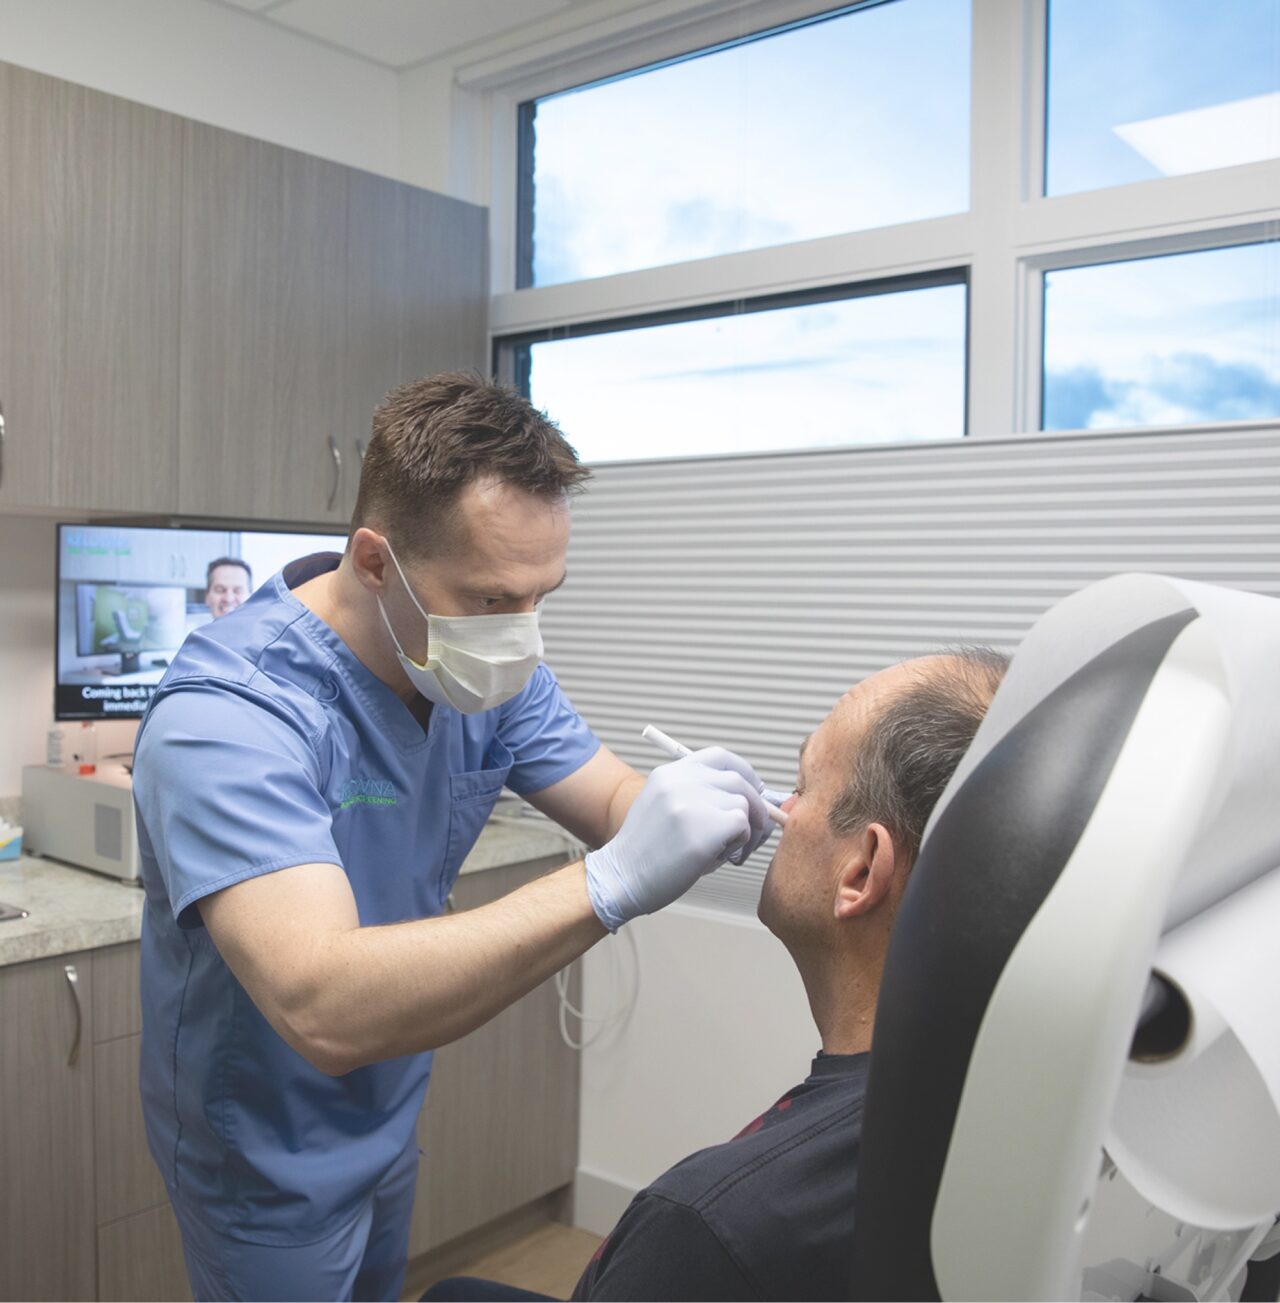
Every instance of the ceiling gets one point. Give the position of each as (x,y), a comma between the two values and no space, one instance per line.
(400,34)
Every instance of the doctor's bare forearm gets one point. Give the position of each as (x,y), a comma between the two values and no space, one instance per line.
(380,992)
(625,794)
(343,995)
(592,801)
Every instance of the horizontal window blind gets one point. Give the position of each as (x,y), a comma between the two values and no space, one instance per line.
(732,601)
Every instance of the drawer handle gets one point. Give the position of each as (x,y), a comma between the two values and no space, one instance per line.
(1,444)
(337,472)
(73,980)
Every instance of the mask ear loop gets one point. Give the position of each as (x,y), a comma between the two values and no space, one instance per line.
(412,595)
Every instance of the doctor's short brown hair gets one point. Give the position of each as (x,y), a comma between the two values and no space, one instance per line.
(433,437)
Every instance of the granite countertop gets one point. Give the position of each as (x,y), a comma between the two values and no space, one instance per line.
(75,909)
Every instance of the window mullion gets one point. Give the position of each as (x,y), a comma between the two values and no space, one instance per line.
(1003,89)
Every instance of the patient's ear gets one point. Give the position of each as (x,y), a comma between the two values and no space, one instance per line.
(866,872)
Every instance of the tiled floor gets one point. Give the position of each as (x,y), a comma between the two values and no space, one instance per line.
(547,1261)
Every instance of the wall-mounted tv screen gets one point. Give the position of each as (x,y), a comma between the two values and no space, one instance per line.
(128,595)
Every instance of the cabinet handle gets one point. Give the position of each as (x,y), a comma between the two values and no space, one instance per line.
(337,472)
(73,980)
(1,444)
(360,450)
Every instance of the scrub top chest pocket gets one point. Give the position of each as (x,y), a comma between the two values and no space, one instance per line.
(472,797)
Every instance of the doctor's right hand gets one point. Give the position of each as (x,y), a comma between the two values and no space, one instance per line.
(690,816)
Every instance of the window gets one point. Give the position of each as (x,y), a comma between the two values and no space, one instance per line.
(875,368)
(1192,337)
(690,198)
(857,121)
(849,273)
(1153,88)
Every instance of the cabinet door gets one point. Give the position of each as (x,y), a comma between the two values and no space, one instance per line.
(46,1130)
(263,332)
(417,295)
(115,442)
(127,1179)
(89,315)
(140,1258)
(500,1127)
(31,309)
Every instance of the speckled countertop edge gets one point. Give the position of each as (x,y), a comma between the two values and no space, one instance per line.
(74,909)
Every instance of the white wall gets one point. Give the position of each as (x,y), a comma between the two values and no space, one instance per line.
(216,65)
(27,570)
(722,1028)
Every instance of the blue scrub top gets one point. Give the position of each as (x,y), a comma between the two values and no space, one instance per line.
(268,744)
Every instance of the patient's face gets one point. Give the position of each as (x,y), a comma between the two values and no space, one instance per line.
(799,890)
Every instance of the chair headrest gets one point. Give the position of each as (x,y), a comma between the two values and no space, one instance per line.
(993,925)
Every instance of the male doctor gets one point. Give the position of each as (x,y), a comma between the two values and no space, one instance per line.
(309,777)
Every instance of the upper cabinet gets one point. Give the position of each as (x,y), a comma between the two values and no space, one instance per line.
(264,291)
(88,324)
(417,285)
(30,306)
(197,322)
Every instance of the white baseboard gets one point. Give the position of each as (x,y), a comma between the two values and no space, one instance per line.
(599,1200)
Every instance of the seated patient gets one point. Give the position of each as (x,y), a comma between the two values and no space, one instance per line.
(769,1214)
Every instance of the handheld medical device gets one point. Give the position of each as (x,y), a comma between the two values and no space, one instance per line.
(677,751)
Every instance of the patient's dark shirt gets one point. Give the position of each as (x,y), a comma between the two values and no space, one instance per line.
(769,1215)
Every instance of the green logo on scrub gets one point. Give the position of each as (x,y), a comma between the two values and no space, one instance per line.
(366,791)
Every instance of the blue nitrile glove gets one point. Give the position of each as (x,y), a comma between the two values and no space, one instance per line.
(688,817)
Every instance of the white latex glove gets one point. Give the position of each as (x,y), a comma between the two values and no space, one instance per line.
(689,816)
(758,838)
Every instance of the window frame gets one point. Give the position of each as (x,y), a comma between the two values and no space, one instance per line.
(1011,234)
(510,353)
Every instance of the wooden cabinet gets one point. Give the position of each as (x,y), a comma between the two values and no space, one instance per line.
(417,296)
(114,444)
(83,1210)
(140,1258)
(500,1126)
(31,321)
(139,1246)
(263,329)
(88,327)
(46,1129)
(198,322)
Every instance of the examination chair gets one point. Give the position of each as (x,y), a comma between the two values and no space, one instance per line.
(1074,1088)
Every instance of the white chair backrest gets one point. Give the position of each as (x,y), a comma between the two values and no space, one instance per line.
(1117,813)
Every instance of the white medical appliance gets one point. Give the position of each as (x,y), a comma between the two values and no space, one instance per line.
(82,819)
(1074,1089)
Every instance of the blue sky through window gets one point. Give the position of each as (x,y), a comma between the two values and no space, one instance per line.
(1149,88)
(849,123)
(1193,337)
(880,369)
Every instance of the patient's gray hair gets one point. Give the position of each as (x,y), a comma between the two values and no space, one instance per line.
(911,749)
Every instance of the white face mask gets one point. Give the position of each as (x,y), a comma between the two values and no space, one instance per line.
(474,662)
